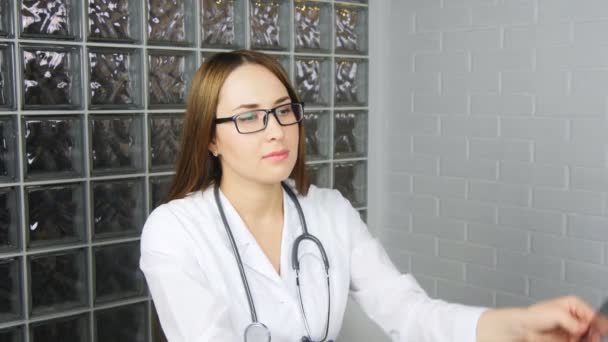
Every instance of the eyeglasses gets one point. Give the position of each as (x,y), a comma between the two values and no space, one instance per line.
(257,120)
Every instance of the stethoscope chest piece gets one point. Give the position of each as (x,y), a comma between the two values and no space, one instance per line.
(257,332)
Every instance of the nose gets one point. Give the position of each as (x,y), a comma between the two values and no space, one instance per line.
(274,130)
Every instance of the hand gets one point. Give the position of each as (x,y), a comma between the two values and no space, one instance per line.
(565,319)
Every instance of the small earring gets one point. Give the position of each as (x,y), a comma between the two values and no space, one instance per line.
(215,153)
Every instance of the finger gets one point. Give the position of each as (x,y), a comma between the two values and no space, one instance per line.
(566,321)
(580,308)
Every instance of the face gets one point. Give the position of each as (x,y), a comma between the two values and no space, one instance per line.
(265,157)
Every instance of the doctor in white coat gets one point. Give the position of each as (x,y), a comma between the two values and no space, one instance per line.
(219,256)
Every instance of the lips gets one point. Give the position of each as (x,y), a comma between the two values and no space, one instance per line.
(280,154)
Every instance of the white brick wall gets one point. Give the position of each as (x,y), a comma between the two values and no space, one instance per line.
(497,148)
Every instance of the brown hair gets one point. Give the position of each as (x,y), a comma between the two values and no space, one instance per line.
(196,168)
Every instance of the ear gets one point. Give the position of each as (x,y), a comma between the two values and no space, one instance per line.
(213,149)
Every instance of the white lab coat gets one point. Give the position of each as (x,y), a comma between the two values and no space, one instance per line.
(198,292)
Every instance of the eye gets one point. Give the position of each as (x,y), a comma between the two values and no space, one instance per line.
(249,116)
(285,110)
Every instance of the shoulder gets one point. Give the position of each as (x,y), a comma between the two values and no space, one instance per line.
(177,222)
(327,199)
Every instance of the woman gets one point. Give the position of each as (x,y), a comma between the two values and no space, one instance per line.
(218,256)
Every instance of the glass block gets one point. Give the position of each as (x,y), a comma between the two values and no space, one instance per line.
(55,214)
(51,77)
(159,189)
(312,80)
(6,76)
(114,20)
(363,213)
(11,304)
(55,19)
(169,74)
(58,281)
(165,134)
(116,143)
(170,22)
(122,324)
(351,29)
(319,174)
(118,207)
(8,149)
(53,147)
(117,274)
(65,329)
(157,332)
(6,23)
(9,219)
(222,24)
(312,22)
(269,24)
(350,178)
(351,82)
(115,78)
(350,134)
(12,334)
(317,134)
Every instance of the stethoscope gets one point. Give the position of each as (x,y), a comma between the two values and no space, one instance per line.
(256,331)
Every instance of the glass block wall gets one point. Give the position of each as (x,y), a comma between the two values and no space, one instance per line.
(91,100)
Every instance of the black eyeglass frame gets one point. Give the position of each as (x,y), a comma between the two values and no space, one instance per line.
(267,112)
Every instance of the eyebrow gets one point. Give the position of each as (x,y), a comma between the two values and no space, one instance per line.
(255,105)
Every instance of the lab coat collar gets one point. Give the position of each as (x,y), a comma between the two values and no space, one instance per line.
(251,253)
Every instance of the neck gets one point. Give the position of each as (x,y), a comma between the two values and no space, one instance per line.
(254,202)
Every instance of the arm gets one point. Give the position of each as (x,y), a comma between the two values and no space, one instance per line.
(187,307)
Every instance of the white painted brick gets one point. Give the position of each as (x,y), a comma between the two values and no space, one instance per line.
(584,202)
(469,82)
(405,6)
(538,83)
(532,219)
(398,146)
(401,19)
(513,194)
(498,236)
(591,32)
(414,125)
(437,267)
(530,264)
(468,210)
(567,248)
(445,104)
(588,154)
(421,82)
(502,105)
(400,259)
(464,294)
(589,82)
(532,173)
(588,227)
(545,289)
(489,278)
(417,42)
(398,180)
(427,284)
(442,19)
(438,226)
(595,130)
(571,106)
(560,57)
(507,13)
(471,39)
(503,60)
(454,61)
(481,126)
(466,252)
(397,221)
(561,10)
(439,186)
(410,243)
(538,129)
(408,203)
(500,149)
(468,3)
(504,300)
(416,164)
(531,36)
(595,276)
(474,168)
(440,146)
